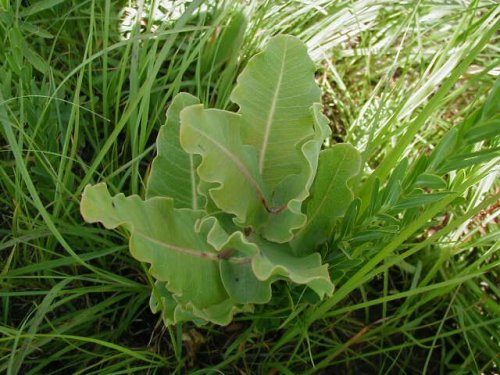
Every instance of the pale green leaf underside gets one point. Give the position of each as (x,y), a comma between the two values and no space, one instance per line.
(270,148)
(275,93)
(165,238)
(160,236)
(297,186)
(226,162)
(215,135)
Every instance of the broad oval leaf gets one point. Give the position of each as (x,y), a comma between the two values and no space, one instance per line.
(215,135)
(275,93)
(164,237)
(226,162)
(280,227)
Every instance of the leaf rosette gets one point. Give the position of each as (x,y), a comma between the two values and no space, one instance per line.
(237,201)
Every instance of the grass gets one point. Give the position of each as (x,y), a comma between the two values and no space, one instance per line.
(417,276)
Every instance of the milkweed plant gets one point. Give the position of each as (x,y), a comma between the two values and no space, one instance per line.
(236,201)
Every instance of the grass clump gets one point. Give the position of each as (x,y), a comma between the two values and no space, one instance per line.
(414,259)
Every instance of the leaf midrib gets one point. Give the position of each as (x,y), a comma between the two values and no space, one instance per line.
(176,248)
(214,257)
(241,167)
(272,111)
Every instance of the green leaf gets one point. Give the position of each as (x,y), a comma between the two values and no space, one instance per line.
(280,226)
(173,171)
(270,262)
(392,190)
(349,218)
(420,200)
(491,107)
(485,130)
(445,148)
(375,199)
(36,30)
(252,264)
(164,237)
(330,196)
(431,181)
(236,264)
(469,159)
(242,284)
(226,46)
(20,48)
(417,168)
(215,135)
(40,6)
(36,60)
(277,260)
(161,300)
(275,93)
(226,162)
